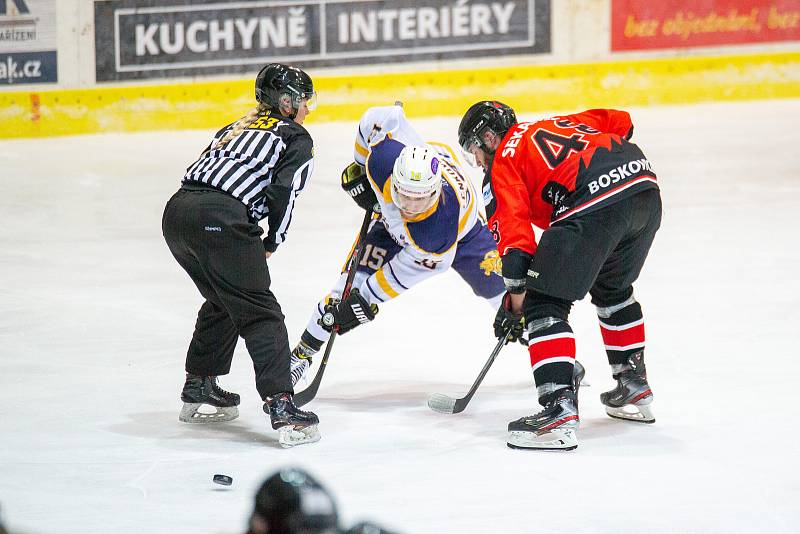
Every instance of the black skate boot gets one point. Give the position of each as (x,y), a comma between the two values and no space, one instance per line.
(631,398)
(203,390)
(552,429)
(294,426)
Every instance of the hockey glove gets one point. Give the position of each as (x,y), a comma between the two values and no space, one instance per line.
(506,320)
(348,313)
(355,183)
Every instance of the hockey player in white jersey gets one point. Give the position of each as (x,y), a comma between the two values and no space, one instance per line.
(429,223)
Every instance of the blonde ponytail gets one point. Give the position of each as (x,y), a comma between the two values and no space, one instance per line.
(242,124)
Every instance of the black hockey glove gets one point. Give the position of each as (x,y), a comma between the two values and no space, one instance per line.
(355,183)
(348,313)
(506,320)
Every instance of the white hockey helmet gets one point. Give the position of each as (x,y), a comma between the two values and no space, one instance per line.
(416,180)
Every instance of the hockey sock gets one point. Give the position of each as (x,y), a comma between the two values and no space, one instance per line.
(311,345)
(551,345)
(622,328)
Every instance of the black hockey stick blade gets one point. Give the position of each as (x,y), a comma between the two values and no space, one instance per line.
(441,403)
(308,394)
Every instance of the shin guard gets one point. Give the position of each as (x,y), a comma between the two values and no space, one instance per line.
(622,328)
(551,345)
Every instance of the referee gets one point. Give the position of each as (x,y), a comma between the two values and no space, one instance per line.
(253,169)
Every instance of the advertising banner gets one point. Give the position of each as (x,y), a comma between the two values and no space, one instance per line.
(150,38)
(646,24)
(27,42)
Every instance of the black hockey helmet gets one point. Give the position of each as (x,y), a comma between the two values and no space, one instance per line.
(291,502)
(482,116)
(277,83)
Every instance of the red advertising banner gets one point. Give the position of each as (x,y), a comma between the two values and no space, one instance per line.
(651,24)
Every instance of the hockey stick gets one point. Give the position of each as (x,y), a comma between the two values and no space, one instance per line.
(308,394)
(445,404)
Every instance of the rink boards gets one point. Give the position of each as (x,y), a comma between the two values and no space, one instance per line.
(206,104)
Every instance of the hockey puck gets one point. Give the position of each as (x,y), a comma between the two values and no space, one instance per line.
(224,480)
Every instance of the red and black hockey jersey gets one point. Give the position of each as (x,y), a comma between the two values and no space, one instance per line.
(552,169)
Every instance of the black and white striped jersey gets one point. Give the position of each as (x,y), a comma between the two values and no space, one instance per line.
(266,167)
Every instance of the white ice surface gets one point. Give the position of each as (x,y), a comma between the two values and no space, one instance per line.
(95,318)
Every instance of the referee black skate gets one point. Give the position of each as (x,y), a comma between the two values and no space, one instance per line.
(253,169)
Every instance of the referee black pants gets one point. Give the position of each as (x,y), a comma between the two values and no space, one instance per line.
(210,235)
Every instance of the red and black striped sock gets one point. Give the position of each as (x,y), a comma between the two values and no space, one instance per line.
(623,332)
(551,346)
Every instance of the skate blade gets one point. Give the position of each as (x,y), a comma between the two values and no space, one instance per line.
(190,413)
(291,435)
(563,439)
(640,413)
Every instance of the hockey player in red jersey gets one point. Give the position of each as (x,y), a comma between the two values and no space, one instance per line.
(580,179)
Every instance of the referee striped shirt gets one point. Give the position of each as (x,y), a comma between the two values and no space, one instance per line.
(266,167)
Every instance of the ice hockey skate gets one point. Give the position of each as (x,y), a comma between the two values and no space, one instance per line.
(201,393)
(631,399)
(552,429)
(294,426)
